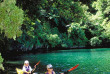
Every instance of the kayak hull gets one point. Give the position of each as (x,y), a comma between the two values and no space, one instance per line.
(19,71)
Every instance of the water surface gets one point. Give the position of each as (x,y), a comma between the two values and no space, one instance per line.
(91,61)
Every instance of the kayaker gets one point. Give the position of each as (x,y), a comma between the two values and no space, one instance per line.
(27,68)
(50,69)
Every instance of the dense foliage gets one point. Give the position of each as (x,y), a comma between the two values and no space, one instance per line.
(11,19)
(55,23)
(50,26)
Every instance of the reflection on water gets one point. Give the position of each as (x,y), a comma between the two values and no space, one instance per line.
(91,61)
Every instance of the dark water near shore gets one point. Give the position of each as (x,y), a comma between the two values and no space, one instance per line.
(91,61)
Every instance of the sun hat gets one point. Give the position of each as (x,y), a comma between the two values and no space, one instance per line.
(26,61)
(49,66)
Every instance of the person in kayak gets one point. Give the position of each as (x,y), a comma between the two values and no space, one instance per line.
(27,68)
(50,69)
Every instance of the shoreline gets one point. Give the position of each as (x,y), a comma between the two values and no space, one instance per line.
(40,50)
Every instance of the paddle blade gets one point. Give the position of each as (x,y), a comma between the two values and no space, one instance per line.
(73,67)
(38,63)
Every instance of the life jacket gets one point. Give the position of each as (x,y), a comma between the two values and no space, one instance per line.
(27,69)
(48,73)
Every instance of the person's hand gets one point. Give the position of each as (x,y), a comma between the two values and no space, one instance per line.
(29,73)
(35,66)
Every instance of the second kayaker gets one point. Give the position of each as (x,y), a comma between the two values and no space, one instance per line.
(50,69)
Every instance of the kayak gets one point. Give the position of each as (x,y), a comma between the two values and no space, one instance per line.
(19,71)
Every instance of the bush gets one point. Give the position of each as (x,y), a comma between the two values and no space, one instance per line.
(1,61)
(95,41)
(54,39)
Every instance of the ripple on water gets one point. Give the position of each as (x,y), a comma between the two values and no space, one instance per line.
(83,68)
(96,68)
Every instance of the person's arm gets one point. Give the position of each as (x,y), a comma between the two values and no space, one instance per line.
(54,72)
(23,68)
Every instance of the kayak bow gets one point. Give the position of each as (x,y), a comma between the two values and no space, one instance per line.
(19,71)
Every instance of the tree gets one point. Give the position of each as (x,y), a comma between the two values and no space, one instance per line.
(11,19)
(98,22)
(77,34)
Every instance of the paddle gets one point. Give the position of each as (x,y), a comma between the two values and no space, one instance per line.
(71,69)
(36,65)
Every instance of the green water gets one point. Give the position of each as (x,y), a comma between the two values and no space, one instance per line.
(91,61)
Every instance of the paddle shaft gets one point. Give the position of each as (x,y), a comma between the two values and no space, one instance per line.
(35,66)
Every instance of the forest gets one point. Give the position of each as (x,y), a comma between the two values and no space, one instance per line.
(48,24)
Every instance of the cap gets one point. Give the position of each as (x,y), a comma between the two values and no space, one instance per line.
(26,61)
(49,66)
